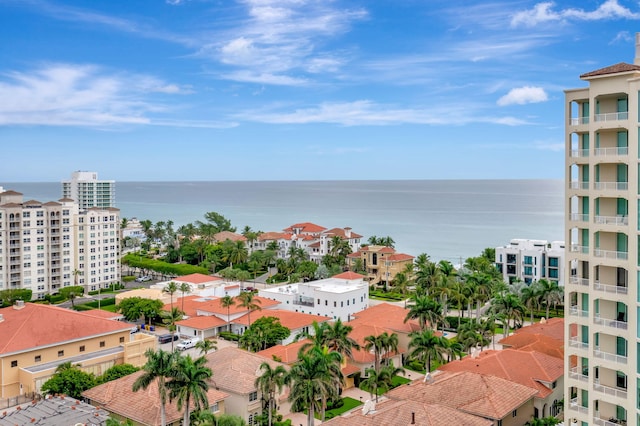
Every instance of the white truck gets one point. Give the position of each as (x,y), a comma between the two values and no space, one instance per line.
(187,344)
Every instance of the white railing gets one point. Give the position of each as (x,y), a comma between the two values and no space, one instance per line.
(577,248)
(576,373)
(578,185)
(612,152)
(574,405)
(608,390)
(611,220)
(579,153)
(610,357)
(579,120)
(617,289)
(597,319)
(574,342)
(579,217)
(612,116)
(573,310)
(618,186)
(602,422)
(577,280)
(611,254)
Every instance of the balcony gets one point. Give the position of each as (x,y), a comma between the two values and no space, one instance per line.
(579,217)
(577,248)
(579,153)
(607,288)
(575,405)
(574,279)
(575,121)
(608,390)
(611,186)
(611,254)
(578,185)
(576,373)
(612,152)
(576,312)
(611,220)
(612,116)
(611,422)
(621,325)
(620,359)
(574,342)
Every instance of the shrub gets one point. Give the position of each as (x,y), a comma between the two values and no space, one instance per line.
(227,335)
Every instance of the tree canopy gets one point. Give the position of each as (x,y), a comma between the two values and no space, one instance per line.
(263,333)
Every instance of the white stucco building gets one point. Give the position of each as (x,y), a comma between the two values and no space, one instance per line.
(531,260)
(340,296)
(88,191)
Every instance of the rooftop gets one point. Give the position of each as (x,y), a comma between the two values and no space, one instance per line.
(55,411)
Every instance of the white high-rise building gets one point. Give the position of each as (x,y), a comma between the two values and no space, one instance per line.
(88,191)
(602,328)
(531,260)
(46,246)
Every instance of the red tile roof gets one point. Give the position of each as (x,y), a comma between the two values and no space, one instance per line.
(305,227)
(202,322)
(399,257)
(39,325)
(535,342)
(291,320)
(621,67)
(99,313)
(197,278)
(143,406)
(553,327)
(272,236)
(349,276)
(341,233)
(228,235)
(508,364)
(387,316)
(212,305)
(287,354)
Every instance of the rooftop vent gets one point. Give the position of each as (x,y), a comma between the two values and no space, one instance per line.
(1,317)
(19,304)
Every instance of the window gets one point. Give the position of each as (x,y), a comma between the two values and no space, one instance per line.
(215,408)
(82,348)
(121,339)
(335,304)
(102,343)
(253,396)
(14,363)
(60,354)
(514,413)
(37,358)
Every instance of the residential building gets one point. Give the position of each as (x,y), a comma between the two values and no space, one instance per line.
(531,260)
(297,323)
(36,338)
(601,223)
(86,190)
(202,285)
(340,296)
(54,411)
(381,263)
(143,407)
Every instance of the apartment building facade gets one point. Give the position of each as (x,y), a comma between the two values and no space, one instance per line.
(88,191)
(531,260)
(602,305)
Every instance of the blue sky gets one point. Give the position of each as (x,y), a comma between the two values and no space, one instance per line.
(296,89)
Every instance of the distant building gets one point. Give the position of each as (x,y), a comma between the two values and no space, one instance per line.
(85,189)
(382,263)
(340,296)
(531,260)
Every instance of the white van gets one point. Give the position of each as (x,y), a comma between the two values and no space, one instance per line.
(187,344)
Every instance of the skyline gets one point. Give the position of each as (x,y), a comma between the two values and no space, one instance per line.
(297,90)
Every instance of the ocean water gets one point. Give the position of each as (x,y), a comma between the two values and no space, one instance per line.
(447,219)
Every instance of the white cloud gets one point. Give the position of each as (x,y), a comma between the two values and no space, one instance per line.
(544,12)
(523,95)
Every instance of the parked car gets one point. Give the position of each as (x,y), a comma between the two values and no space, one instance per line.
(187,344)
(166,338)
(143,279)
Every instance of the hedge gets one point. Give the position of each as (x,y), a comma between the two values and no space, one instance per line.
(136,261)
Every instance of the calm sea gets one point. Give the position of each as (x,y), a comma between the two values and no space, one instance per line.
(447,219)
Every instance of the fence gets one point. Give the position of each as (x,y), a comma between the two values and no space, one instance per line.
(17,400)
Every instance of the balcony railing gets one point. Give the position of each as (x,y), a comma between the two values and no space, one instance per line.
(611,254)
(574,342)
(607,288)
(578,185)
(602,422)
(609,322)
(577,248)
(576,373)
(573,279)
(612,152)
(575,405)
(579,120)
(611,220)
(617,186)
(573,310)
(620,359)
(579,153)
(579,217)
(612,116)
(608,390)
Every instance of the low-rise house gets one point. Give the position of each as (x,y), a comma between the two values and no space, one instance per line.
(143,407)
(35,339)
(546,336)
(382,263)
(201,285)
(390,318)
(54,411)
(340,296)
(235,372)
(543,372)
(298,323)
(503,402)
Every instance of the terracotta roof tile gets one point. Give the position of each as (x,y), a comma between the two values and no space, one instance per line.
(553,327)
(385,315)
(197,278)
(341,233)
(399,257)
(228,235)
(287,354)
(212,305)
(202,322)
(273,236)
(349,276)
(621,67)
(305,227)
(291,320)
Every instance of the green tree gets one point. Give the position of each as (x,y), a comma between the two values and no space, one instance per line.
(68,380)
(190,381)
(205,346)
(227,302)
(427,347)
(269,383)
(549,292)
(546,421)
(382,380)
(220,222)
(132,308)
(116,372)
(171,288)
(510,306)
(247,300)
(336,338)
(184,288)
(263,333)
(426,310)
(70,293)
(169,318)
(158,368)
(530,297)
(382,345)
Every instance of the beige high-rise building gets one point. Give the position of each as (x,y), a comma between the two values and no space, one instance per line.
(602,305)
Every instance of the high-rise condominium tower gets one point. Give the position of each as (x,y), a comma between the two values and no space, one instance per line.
(88,191)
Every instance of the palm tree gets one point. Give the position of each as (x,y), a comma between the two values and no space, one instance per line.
(170,318)
(509,305)
(425,310)
(381,344)
(170,288)
(226,302)
(269,382)
(206,346)
(190,380)
(382,379)
(481,284)
(184,288)
(549,292)
(427,347)
(157,369)
(247,300)
(530,298)
(337,339)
